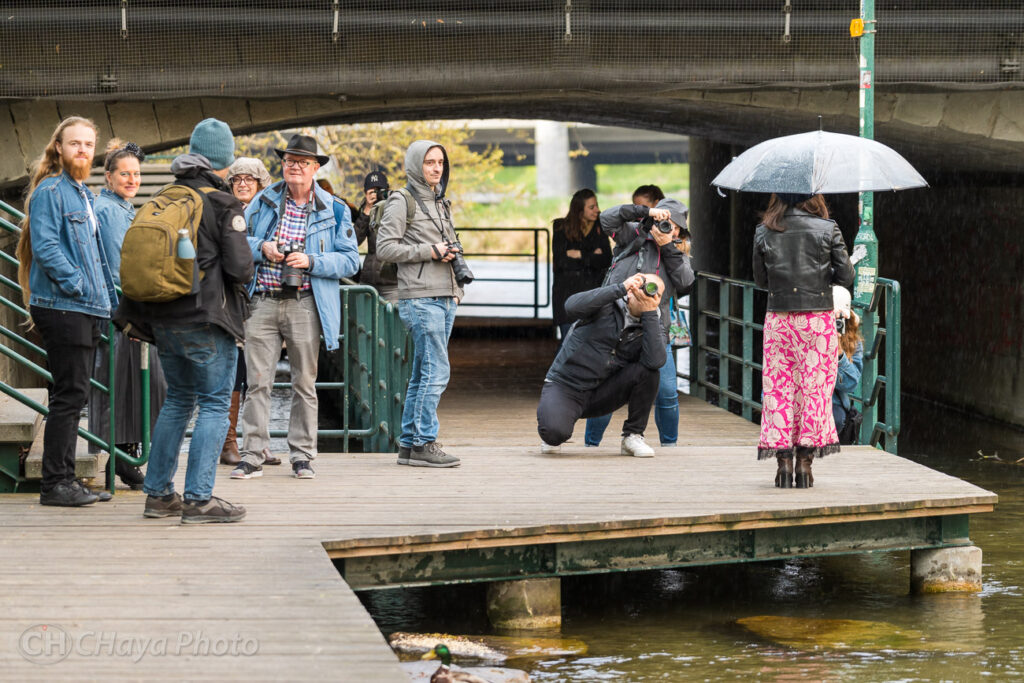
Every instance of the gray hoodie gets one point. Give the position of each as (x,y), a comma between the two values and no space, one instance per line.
(410,245)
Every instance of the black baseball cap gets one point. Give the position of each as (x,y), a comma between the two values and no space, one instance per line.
(376,179)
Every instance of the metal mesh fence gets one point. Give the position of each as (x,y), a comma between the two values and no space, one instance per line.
(106,49)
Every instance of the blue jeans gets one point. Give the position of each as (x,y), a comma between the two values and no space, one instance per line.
(666,408)
(429,321)
(199,363)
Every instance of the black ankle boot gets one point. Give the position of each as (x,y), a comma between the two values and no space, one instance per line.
(784,476)
(804,458)
(130,475)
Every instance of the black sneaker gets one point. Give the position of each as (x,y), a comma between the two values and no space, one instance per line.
(244,470)
(303,470)
(163,506)
(67,494)
(102,495)
(213,510)
(431,455)
(403,455)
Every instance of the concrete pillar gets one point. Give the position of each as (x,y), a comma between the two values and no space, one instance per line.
(946,570)
(552,159)
(582,173)
(527,604)
(709,212)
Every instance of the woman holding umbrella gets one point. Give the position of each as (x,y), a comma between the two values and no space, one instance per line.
(799,254)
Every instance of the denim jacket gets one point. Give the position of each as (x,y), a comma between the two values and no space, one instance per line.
(114,214)
(70,271)
(330,244)
(847,378)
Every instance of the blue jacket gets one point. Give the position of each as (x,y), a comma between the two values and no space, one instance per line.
(70,271)
(114,214)
(850,370)
(330,244)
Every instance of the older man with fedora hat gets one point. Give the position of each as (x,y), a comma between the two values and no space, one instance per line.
(301,251)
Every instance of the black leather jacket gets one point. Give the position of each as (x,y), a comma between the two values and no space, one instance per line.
(799,265)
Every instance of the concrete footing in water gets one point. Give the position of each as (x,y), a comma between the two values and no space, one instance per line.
(946,570)
(527,604)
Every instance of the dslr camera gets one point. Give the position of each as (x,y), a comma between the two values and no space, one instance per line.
(841,325)
(463,275)
(382,193)
(291,276)
(648,224)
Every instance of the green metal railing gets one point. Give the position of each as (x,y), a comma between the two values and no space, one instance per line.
(725,355)
(534,255)
(370,372)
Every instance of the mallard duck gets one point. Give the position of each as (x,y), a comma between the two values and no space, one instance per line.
(444,674)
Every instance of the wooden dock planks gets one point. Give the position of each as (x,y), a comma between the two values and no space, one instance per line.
(270,580)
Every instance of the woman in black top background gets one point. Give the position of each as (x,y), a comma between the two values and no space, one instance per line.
(580,252)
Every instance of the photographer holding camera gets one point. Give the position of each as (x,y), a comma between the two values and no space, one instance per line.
(302,247)
(652,240)
(417,233)
(611,358)
(375,272)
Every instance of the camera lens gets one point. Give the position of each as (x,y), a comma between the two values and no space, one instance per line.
(651,289)
(665,226)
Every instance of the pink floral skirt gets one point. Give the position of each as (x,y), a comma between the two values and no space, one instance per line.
(801,359)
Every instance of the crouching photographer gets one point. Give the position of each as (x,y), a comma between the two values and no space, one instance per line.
(611,358)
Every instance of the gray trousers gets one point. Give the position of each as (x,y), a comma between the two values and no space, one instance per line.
(297,324)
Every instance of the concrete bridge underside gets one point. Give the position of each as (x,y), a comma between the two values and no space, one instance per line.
(955,131)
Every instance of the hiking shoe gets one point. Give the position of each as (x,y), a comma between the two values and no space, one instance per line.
(247,471)
(431,455)
(163,506)
(403,455)
(633,444)
(213,510)
(67,494)
(548,449)
(303,470)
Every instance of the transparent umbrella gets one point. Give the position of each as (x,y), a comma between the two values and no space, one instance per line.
(819,163)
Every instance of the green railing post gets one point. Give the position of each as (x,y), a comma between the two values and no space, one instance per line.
(748,352)
(723,344)
(146,405)
(111,398)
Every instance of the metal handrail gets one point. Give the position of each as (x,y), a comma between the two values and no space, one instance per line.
(880,379)
(534,254)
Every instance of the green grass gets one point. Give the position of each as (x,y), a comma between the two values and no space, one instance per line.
(522,209)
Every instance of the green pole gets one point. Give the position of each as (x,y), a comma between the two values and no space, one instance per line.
(111,397)
(867,268)
(145,401)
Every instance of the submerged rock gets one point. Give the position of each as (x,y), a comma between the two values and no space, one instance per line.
(837,634)
(495,649)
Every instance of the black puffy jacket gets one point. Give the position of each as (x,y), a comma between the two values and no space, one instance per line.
(799,265)
(602,342)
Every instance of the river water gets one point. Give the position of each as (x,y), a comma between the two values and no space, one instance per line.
(680,625)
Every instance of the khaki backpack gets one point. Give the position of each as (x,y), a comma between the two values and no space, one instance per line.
(388,269)
(151,270)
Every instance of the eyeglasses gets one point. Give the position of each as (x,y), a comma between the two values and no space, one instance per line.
(243,180)
(298,163)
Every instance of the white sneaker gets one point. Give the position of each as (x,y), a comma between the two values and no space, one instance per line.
(633,444)
(548,449)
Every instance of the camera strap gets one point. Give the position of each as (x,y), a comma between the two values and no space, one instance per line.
(439,226)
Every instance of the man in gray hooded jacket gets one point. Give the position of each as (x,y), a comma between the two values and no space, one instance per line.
(428,293)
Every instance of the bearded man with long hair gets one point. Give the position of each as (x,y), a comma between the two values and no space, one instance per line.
(69,290)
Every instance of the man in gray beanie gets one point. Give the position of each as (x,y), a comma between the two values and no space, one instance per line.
(197,336)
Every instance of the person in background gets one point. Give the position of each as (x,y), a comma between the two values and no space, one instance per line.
(302,242)
(799,254)
(580,254)
(642,247)
(247,177)
(68,287)
(114,213)
(380,275)
(648,195)
(851,357)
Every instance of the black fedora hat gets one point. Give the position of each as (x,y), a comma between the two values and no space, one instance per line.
(305,146)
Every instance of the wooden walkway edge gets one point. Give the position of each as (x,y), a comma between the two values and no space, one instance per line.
(89,587)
